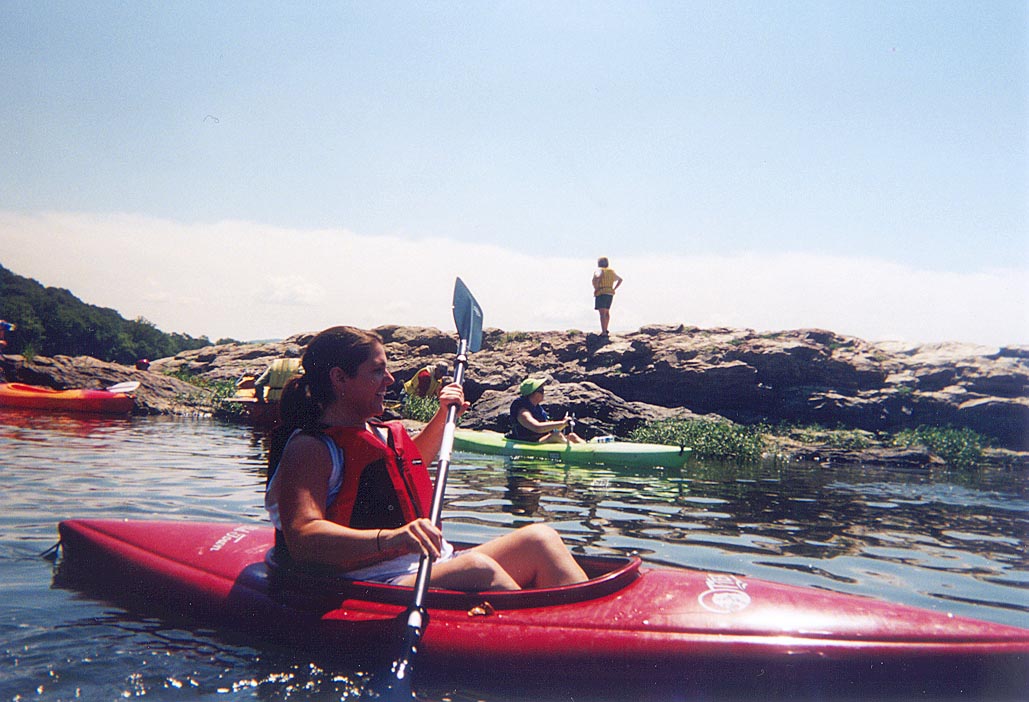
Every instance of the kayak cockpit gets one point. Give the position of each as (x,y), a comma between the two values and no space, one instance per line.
(607,575)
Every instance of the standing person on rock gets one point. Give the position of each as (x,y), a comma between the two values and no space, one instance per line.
(605,282)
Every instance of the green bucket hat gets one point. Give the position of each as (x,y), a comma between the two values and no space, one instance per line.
(531,385)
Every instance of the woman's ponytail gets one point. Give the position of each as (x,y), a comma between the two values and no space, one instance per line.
(306,396)
(297,410)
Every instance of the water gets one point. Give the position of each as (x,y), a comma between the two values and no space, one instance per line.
(936,539)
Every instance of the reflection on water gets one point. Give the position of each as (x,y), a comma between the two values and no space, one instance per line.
(946,541)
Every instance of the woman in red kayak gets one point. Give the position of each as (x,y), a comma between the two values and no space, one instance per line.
(352,493)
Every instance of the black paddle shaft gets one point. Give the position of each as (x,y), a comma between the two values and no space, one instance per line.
(421,584)
(468,318)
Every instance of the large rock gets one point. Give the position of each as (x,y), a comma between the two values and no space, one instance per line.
(613,385)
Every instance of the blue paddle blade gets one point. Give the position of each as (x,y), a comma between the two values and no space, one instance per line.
(467,316)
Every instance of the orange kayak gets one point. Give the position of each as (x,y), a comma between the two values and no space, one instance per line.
(79,400)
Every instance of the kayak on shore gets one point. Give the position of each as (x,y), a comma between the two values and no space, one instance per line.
(629,624)
(79,400)
(619,453)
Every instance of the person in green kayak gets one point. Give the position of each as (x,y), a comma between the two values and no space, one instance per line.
(351,493)
(605,282)
(530,421)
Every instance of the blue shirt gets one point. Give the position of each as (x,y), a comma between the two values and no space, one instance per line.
(538,413)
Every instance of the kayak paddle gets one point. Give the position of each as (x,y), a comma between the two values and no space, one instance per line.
(468,318)
(127,386)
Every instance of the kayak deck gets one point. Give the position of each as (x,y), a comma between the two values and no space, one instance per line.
(630,621)
(616,453)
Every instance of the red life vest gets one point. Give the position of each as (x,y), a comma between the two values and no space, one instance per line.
(385,485)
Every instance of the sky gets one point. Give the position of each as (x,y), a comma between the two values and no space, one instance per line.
(250,170)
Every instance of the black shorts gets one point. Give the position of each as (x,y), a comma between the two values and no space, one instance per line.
(602,302)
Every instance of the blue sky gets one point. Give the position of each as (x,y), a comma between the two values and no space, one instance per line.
(859,166)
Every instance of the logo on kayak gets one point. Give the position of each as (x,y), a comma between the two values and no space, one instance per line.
(725,594)
(233,537)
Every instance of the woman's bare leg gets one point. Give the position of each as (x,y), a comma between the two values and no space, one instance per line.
(470,571)
(534,556)
(559,438)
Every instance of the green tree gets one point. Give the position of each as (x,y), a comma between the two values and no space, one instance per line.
(52,321)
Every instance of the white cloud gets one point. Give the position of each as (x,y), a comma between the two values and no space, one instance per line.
(290,290)
(246,280)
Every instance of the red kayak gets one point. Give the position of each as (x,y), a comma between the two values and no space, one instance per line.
(81,400)
(629,622)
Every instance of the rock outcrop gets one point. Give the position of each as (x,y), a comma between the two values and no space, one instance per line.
(615,384)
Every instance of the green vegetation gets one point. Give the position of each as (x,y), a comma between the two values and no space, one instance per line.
(223,390)
(712,440)
(512,337)
(420,409)
(960,448)
(841,437)
(52,321)
(220,390)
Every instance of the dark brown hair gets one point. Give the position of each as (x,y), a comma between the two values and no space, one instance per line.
(306,396)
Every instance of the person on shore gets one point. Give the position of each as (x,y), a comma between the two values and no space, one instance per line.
(427,382)
(5,327)
(268,387)
(530,421)
(605,283)
(351,493)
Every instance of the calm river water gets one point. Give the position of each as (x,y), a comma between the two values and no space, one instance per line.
(936,539)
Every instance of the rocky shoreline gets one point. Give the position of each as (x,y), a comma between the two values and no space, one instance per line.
(613,385)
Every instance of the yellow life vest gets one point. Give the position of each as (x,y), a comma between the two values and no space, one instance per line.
(411,386)
(604,284)
(277,375)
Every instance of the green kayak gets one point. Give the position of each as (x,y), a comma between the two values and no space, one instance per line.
(617,453)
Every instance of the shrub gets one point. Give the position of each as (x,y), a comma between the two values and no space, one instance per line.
(713,440)
(960,448)
(221,391)
(814,434)
(420,409)
(512,337)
